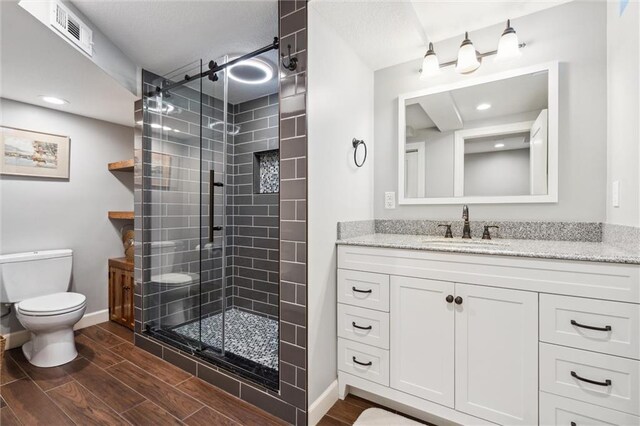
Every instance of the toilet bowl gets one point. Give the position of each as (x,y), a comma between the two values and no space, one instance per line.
(50,320)
(36,282)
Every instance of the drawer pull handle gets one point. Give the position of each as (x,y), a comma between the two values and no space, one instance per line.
(357,290)
(590,327)
(364,364)
(353,323)
(593,382)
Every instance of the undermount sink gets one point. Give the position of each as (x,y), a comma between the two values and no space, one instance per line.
(463,243)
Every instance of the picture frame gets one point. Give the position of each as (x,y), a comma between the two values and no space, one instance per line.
(34,154)
(160,171)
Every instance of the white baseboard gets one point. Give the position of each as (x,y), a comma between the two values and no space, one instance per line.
(320,406)
(19,338)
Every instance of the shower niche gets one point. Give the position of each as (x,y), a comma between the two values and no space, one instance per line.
(210,217)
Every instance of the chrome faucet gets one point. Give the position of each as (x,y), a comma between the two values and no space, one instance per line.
(466,229)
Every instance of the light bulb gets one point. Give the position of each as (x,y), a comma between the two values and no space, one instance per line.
(467,57)
(508,46)
(430,64)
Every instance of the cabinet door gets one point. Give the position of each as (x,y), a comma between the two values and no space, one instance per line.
(497,354)
(421,355)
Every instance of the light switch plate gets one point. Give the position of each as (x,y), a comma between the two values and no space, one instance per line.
(615,194)
(389,200)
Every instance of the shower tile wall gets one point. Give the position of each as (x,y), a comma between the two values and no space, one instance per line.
(172,229)
(255,228)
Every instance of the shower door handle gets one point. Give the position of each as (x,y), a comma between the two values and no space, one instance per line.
(212,185)
(211,206)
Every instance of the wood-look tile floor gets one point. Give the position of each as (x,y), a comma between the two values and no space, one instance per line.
(346,412)
(112,382)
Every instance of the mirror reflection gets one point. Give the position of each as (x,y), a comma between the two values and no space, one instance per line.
(484,140)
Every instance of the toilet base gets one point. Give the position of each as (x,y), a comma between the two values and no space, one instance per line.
(51,349)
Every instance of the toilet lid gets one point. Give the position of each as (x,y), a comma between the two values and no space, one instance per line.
(174,278)
(52,304)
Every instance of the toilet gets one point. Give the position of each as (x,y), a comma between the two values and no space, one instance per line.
(172,280)
(37,283)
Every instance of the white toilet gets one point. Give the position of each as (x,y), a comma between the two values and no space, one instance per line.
(37,283)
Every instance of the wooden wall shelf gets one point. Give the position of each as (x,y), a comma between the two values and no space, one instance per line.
(121,215)
(121,166)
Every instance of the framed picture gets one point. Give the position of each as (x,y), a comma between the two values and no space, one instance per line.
(28,153)
(160,171)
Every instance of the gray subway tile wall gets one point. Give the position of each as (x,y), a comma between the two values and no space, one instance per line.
(255,219)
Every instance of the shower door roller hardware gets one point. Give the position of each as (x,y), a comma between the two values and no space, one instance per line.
(218,184)
(217,228)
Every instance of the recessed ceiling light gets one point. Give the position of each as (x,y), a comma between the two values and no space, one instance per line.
(54,100)
(499,145)
(265,72)
(483,107)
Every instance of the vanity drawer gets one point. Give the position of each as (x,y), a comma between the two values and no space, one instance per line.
(560,411)
(363,289)
(364,361)
(363,325)
(621,319)
(623,392)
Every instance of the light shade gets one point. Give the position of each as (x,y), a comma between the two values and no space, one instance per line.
(467,57)
(430,64)
(508,46)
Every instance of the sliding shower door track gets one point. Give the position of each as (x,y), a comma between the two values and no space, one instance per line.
(243,367)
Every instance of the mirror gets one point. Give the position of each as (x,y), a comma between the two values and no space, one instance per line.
(487,140)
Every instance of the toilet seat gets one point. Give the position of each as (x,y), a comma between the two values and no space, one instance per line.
(52,304)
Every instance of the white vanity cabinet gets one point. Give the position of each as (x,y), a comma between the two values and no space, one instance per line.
(479,339)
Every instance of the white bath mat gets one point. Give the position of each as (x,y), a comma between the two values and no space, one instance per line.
(380,417)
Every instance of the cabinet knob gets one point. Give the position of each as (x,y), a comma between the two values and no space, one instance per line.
(458,300)
(449,299)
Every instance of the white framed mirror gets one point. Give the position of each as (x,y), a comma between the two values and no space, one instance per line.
(491,139)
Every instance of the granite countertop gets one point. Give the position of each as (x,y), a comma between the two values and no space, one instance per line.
(545,249)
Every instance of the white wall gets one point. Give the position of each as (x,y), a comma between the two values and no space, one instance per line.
(497,173)
(623,118)
(574,34)
(39,214)
(340,107)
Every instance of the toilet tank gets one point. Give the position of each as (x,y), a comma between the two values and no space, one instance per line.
(35,273)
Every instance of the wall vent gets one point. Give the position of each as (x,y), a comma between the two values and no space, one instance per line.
(71,27)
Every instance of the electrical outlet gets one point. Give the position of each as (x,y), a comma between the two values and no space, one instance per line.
(615,194)
(389,200)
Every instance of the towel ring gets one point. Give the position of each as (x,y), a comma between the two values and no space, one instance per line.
(356,143)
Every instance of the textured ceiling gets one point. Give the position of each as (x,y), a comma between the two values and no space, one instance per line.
(162,36)
(386,33)
(37,62)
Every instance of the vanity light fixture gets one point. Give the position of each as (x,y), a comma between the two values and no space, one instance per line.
(483,107)
(430,64)
(53,100)
(508,46)
(469,59)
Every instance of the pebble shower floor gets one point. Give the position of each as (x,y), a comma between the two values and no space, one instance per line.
(247,335)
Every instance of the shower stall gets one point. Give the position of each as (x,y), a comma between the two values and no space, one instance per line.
(210,212)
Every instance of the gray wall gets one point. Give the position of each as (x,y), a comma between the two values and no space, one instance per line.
(560,33)
(42,214)
(255,247)
(497,173)
(340,108)
(623,139)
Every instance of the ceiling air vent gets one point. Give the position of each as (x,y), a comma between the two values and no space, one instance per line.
(71,27)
